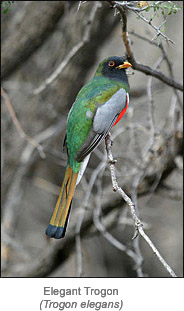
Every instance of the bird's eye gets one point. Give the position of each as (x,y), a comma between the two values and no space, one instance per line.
(111,63)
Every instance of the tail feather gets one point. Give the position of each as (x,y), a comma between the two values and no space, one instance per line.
(67,219)
(58,223)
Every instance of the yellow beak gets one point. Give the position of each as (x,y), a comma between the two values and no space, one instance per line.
(125,65)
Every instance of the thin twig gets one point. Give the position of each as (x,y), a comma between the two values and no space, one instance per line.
(125,5)
(96,218)
(159,32)
(12,206)
(160,45)
(151,107)
(146,69)
(142,172)
(93,178)
(72,53)
(137,221)
(80,3)
(19,127)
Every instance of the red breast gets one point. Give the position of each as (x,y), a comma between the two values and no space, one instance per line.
(122,111)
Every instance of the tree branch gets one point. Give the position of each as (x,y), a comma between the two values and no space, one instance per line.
(119,245)
(157,74)
(137,221)
(143,68)
(19,127)
(72,53)
(37,23)
(12,206)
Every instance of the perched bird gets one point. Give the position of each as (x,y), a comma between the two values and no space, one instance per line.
(99,105)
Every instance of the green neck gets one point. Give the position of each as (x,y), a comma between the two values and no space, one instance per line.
(120,78)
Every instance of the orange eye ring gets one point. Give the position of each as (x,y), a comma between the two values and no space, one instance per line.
(111,63)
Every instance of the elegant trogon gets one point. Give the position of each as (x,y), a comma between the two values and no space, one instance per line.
(99,105)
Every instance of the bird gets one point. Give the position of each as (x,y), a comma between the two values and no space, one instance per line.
(99,105)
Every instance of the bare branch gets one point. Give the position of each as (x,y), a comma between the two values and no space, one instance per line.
(157,74)
(119,245)
(146,160)
(80,219)
(159,32)
(72,53)
(130,5)
(160,45)
(146,69)
(19,127)
(137,221)
(12,206)
(80,3)
(38,21)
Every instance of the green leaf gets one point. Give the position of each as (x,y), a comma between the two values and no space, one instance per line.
(165,6)
(152,16)
(5,11)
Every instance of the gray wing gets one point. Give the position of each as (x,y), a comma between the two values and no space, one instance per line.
(104,118)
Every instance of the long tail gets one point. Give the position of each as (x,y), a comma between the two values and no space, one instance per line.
(58,223)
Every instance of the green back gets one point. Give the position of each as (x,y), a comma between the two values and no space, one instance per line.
(92,95)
